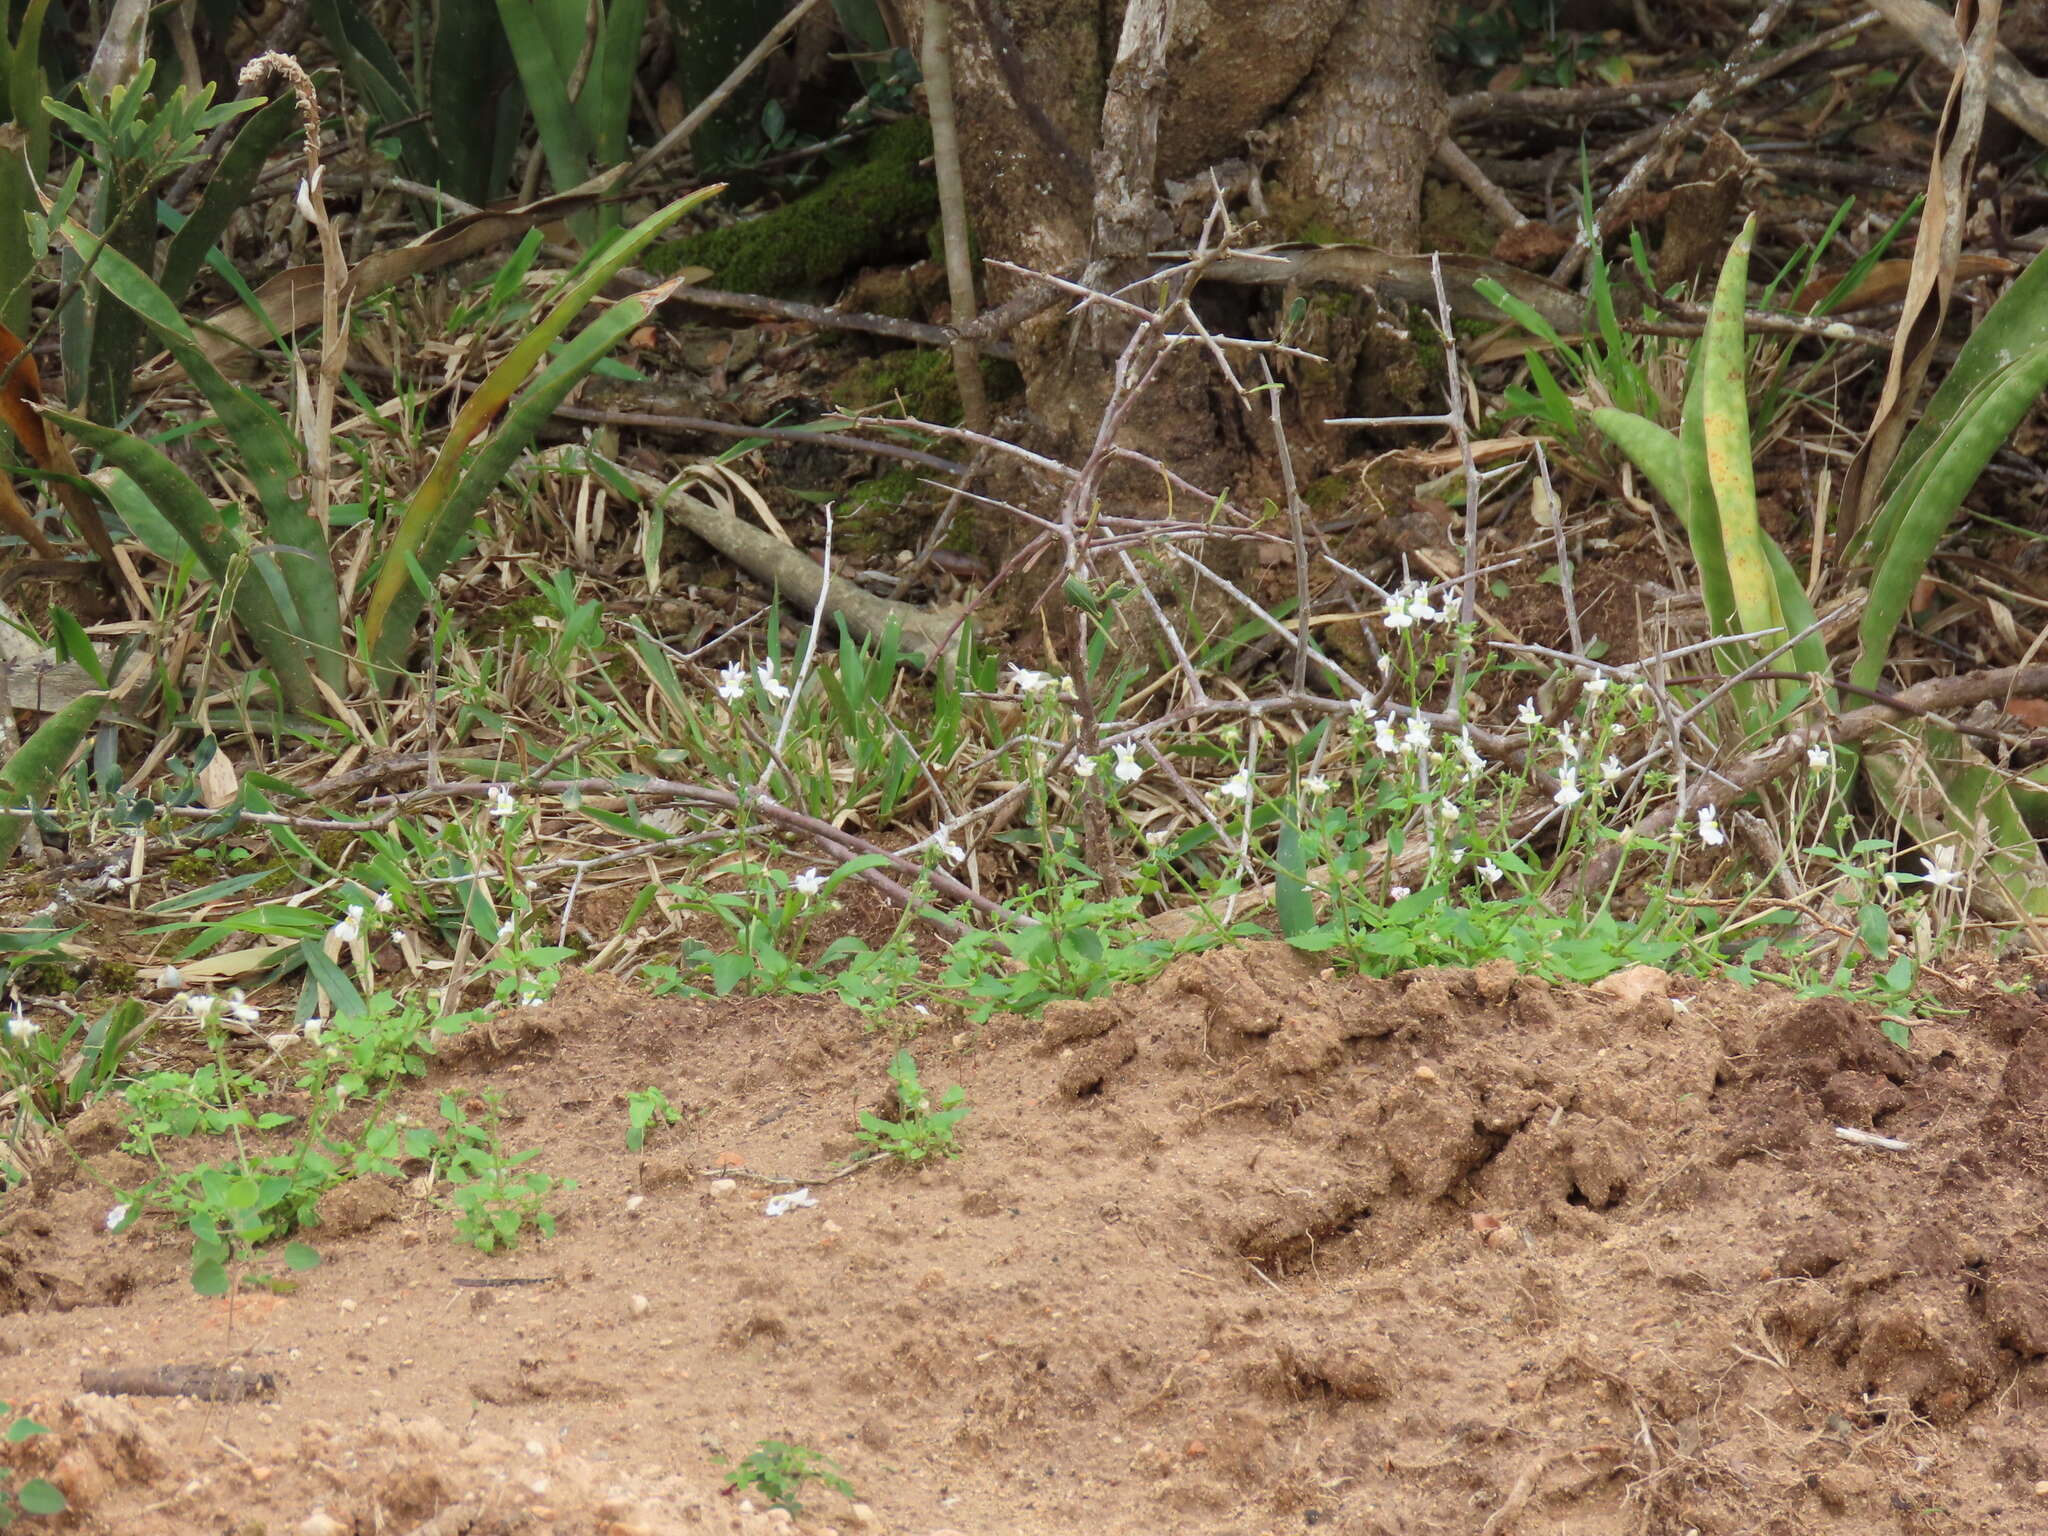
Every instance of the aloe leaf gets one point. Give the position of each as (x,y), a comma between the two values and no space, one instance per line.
(472,81)
(2017,324)
(1724,404)
(1932,495)
(562,138)
(1939,789)
(1709,552)
(32,772)
(1652,450)
(310,598)
(607,98)
(199,523)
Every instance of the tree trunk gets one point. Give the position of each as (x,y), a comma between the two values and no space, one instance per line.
(1073,113)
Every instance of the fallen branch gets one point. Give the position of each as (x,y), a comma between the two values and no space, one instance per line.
(800,579)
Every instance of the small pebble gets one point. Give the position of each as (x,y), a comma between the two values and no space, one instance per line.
(347,1304)
(321,1523)
(2041,1490)
(724,1186)
(633,1203)
(861,1516)
(638,1305)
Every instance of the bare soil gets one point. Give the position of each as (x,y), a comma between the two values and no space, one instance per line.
(1249,1249)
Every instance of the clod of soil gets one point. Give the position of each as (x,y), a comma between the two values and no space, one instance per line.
(1248,1249)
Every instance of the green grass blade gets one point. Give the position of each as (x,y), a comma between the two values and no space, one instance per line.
(444,539)
(424,510)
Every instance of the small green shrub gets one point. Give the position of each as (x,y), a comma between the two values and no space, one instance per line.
(925,1130)
(777,1470)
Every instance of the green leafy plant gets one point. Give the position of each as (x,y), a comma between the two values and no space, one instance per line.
(278,577)
(645,1109)
(473,93)
(491,1201)
(56,1071)
(778,1470)
(136,142)
(31,1496)
(924,1127)
(1705,473)
(582,128)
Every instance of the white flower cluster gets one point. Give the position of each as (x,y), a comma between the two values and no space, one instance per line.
(1410,605)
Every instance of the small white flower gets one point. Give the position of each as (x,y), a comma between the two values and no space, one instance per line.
(1237,787)
(1363,708)
(1383,737)
(170,979)
(116,1216)
(1416,737)
(347,931)
(1569,744)
(1410,606)
(312,1027)
(240,1011)
(1315,784)
(20,1027)
(1681,1005)
(771,685)
(1596,686)
(1568,792)
(531,998)
(1084,767)
(384,903)
(809,883)
(202,1006)
(1611,769)
(1474,763)
(951,851)
(303,198)
(1025,680)
(1128,768)
(507,931)
(1489,872)
(501,802)
(1398,892)
(1710,828)
(1526,716)
(1941,871)
(732,682)
(1818,758)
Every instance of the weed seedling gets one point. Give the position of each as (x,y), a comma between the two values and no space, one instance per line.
(645,1108)
(925,1130)
(35,1496)
(777,1470)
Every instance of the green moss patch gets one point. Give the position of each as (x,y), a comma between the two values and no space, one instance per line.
(874,211)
